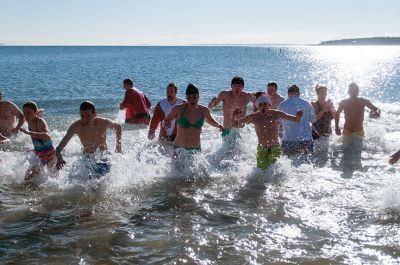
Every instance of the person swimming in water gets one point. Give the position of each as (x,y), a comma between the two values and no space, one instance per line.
(266,123)
(45,155)
(353,108)
(190,117)
(91,131)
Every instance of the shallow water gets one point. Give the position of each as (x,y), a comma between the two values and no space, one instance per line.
(343,208)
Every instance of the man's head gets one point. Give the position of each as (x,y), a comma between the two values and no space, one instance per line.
(263,103)
(87,112)
(30,110)
(293,90)
(192,94)
(172,90)
(322,92)
(353,90)
(272,88)
(237,84)
(127,83)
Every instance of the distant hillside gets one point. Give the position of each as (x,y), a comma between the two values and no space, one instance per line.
(365,41)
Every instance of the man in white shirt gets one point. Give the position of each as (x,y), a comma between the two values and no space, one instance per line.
(297,137)
(162,110)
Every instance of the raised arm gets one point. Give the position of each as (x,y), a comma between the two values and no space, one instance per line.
(70,133)
(215,100)
(118,134)
(243,121)
(337,117)
(210,120)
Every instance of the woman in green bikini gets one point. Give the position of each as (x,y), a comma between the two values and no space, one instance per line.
(190,118)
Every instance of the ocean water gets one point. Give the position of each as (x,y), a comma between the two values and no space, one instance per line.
(342,208)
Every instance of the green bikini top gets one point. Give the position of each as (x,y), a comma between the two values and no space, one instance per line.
(185,123)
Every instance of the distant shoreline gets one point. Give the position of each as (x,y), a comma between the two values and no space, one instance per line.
(363,41)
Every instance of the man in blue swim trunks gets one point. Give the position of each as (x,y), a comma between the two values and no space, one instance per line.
(297,137)
(233,100)
(91,131)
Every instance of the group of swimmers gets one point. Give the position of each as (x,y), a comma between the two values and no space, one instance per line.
(296,121)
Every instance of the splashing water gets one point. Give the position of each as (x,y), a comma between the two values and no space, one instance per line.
(216,207)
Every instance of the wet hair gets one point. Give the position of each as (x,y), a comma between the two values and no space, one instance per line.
(354,85)
(192,89)
(318,88)
(237,80)
(128,82)
(259,94)
(273,83)
(31,105)
(293,89)
(87,105)
(172,84)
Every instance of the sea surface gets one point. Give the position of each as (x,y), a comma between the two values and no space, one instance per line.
(342,206)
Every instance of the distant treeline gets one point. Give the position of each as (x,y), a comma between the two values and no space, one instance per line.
(365,41)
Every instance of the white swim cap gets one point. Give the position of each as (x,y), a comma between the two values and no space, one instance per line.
(263,99)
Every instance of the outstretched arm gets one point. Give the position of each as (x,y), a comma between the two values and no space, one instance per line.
(215,100)
(284,115)
(337,118)
(240,123)
(210,120)
(375,111)
(70,133)
(118,135)
(172,115)
(42,131)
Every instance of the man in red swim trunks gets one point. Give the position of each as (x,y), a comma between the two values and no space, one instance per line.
(136,104)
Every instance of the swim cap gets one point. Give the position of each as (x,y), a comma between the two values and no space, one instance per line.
(192,89)
(263,99)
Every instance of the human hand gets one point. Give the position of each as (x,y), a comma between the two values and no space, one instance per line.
(60,162)
(237,111)
(375,114)
(151,136)
(221,128)
(299,114)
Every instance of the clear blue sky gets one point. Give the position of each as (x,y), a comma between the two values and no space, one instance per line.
(180,22)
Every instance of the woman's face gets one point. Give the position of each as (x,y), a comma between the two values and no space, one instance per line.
(322,94)
(192,99)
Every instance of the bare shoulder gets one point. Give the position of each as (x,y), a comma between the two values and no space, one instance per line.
(224,94)
(204,109)
(104,121)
